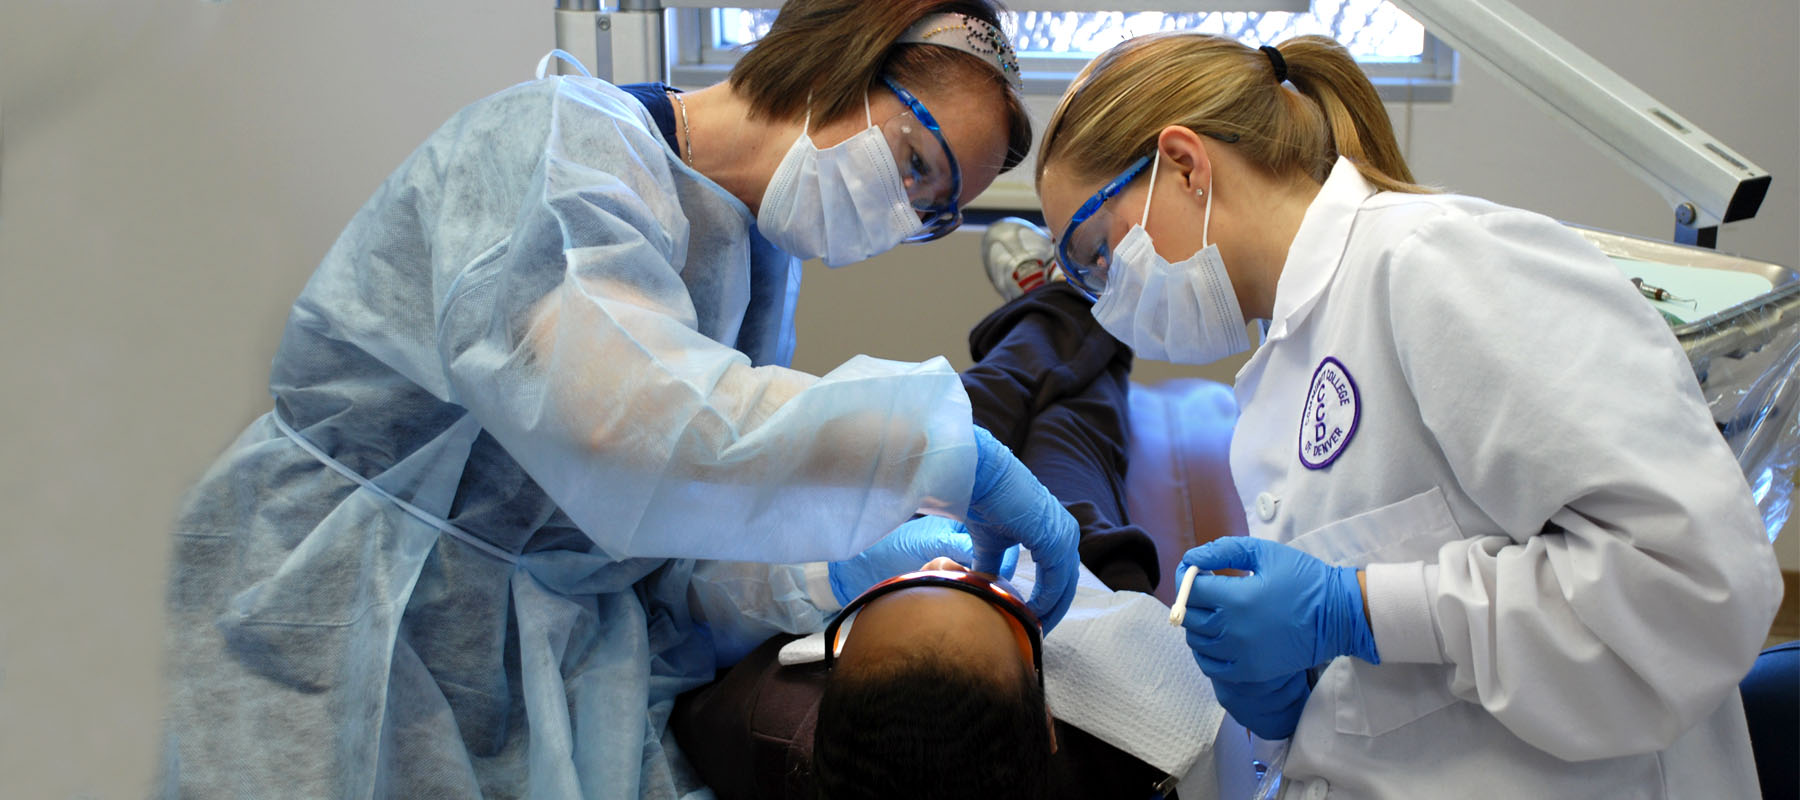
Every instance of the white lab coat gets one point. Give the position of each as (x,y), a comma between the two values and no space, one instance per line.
(1567,576)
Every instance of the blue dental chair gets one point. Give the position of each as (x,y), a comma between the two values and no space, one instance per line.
(1772,709)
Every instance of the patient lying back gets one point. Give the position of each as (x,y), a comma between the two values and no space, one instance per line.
(934,694)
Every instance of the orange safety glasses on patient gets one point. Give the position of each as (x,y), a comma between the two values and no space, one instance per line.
(996,591)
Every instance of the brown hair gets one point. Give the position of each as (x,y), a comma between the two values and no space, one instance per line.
(1216,86)
(835,51)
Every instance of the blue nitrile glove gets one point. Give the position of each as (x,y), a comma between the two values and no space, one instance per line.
(1009,506)
(1270,709)
(1294,612)
(905,550)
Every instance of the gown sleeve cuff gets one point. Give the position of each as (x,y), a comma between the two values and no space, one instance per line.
(1400,612)
(818,586)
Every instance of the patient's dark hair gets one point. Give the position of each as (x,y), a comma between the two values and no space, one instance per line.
(914,727)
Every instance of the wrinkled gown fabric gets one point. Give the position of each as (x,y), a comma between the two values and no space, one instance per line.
(538,376)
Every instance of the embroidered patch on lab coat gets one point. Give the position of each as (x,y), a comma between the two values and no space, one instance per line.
(1333,408)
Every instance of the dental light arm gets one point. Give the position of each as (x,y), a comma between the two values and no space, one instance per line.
(1704,181)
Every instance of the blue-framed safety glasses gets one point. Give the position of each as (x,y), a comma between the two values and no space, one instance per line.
(927,167)
(1083,251)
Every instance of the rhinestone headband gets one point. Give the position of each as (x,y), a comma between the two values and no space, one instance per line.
(971,35)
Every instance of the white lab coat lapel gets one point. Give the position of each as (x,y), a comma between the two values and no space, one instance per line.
(1318,247)
(1312,261)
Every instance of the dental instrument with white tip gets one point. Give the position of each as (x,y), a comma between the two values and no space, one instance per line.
(1179,611)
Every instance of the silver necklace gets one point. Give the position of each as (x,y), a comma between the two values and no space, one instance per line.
(685,133)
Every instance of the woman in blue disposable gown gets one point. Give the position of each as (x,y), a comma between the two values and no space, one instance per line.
(537,392)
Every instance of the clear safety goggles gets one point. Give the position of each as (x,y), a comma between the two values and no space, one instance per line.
(927,168)
(1083,250)
(1027,631)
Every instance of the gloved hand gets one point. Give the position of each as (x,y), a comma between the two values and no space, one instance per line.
(1294,612)
(1009,506)
(906,549)
(1269,709)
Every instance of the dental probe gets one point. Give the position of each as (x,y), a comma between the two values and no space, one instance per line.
(1179,612)
(1659,293)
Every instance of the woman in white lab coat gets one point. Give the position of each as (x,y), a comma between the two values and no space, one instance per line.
(1499,548)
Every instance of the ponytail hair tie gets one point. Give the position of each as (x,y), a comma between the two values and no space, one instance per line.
(1275,60)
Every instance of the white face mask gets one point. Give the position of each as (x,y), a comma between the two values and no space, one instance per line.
(1182,313)
(843,204)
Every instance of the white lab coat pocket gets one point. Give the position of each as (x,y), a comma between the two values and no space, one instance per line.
(1373,700)
(1409,530)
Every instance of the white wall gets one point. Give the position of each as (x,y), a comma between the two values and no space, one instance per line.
(170,172)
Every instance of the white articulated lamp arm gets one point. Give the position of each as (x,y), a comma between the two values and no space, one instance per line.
(1704,181)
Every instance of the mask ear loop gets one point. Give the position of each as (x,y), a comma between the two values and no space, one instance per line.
(1206,220)
(806,123)
(1151,190)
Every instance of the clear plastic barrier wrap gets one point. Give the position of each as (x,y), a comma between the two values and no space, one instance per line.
(1746,358)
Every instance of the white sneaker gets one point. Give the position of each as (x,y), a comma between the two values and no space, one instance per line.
(1018,257)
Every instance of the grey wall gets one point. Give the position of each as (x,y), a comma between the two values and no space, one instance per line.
(170,171)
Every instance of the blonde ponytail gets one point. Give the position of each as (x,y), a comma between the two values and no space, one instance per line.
(1221,88)
(1323,71)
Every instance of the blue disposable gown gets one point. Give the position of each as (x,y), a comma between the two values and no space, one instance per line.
(539,375)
